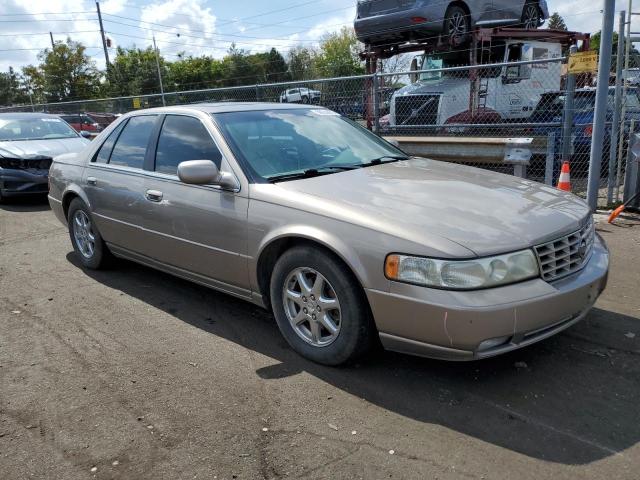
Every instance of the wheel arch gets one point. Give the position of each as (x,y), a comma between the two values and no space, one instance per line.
(273,248)
(73,191)
(461,4)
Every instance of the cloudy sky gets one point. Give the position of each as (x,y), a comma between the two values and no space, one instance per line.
(198,26)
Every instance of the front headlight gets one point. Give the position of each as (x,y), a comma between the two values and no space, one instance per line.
(462,274)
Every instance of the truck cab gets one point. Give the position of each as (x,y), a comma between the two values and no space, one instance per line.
(441,96)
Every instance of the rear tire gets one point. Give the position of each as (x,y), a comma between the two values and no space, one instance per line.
(85,237)
(530,19)
(457,25)
(305,100)
(320,307)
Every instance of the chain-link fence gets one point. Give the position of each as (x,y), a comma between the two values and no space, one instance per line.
(521,100)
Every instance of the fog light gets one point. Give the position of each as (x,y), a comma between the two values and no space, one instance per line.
(493,343)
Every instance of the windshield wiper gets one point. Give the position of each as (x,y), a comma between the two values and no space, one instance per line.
(310,173)
(385,159)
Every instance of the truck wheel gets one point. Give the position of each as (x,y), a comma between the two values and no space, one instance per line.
(305,100)
(457,25)
(85,238)
(530,15)
(319,307)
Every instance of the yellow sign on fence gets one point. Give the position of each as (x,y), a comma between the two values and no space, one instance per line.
(583,62)
(136,102)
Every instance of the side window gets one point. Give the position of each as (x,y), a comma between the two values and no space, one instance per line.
(105,150)
(131,146)
(181,139)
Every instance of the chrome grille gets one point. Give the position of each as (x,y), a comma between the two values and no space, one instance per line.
(566,255)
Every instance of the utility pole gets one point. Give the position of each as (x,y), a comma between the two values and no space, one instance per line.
(155,49)
(104,38)
(602,95)
(52,42)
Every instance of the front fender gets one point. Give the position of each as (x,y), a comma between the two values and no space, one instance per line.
(324,237)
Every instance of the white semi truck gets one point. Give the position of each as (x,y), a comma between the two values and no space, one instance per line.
(505,93)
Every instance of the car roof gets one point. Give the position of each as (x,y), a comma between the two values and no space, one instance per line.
(19,115)
(226,107)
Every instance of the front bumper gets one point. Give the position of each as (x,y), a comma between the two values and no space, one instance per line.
(14,182)
(479,324)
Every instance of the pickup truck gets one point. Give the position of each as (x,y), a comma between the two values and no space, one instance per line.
(300,95)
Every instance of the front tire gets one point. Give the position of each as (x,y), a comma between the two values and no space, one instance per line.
(85,237)
(320,307)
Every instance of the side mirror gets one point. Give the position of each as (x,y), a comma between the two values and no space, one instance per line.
(413,77)
(205,172)
(85,134)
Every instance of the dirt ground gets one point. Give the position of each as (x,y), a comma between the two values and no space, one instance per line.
(133,374)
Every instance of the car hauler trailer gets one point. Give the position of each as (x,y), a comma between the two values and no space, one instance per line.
(485,89)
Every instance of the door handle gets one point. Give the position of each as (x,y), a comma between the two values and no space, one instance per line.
(154,195)
(92,181)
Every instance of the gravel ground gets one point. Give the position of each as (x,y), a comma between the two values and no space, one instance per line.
(133,374)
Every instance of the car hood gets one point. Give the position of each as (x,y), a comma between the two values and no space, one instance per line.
(485,212)
(48,148)
(445,83)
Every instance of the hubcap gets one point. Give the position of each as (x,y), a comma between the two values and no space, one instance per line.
(457,26)
(83,234)
(531,18)
(312,307)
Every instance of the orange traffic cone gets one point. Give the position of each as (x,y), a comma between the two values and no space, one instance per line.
(564,183)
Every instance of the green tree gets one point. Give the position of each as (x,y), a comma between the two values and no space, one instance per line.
(65,72)
(339,54)
(302,63)
(190,73)
(270,66)
(134,72)
(556,22)
(12,89)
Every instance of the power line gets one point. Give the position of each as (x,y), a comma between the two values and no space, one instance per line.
(32,20)
(46,33)
(42,13)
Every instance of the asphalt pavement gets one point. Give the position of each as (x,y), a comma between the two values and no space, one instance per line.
(133,374)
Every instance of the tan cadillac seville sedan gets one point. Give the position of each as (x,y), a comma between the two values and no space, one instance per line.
(344,237)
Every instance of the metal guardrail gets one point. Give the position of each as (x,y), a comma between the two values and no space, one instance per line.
(470,150)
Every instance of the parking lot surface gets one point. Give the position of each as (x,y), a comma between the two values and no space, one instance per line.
(130,373)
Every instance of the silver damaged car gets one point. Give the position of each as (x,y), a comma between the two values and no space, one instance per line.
(345,238)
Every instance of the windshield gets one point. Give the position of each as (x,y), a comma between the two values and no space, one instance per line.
(274,143)
(34,128)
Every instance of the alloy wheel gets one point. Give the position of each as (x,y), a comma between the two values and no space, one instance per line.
(457,27)
(83,234)
(531,17)
(312,307)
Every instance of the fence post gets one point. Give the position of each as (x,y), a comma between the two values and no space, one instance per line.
(551,158)
(257,92)
(376,103)
(602,94)
(567,124)
(630,177)
(615,128)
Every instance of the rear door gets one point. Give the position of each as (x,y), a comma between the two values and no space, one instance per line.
(114,182)
(509,12)
(197,228)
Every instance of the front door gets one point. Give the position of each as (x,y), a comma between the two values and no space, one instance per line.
(200,229)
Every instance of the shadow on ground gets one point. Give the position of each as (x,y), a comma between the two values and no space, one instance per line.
(31,203)
(575,402)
